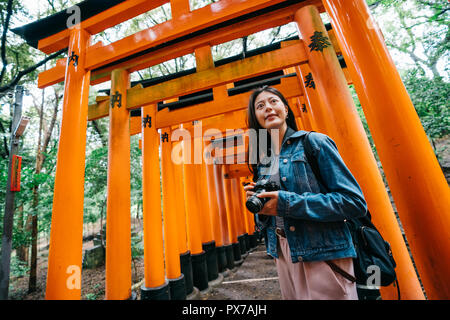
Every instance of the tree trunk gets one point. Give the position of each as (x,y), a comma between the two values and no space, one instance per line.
(40,158)
(32,284)
(21,251)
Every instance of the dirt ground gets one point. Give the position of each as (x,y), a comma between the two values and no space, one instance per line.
(255,279)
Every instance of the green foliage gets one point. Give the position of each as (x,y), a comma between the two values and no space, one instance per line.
(18,268)
(430,98)
(137,246)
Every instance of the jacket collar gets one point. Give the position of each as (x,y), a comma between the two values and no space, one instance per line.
(295,134)
(290,134)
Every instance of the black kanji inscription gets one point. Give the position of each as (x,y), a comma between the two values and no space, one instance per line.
(116,98)
(319,42)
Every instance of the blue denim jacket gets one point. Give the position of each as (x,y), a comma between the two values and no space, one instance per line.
(314,220)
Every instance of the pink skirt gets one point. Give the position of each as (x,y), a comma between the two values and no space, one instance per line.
(313,280)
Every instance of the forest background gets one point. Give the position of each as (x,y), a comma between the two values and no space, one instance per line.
(417,34)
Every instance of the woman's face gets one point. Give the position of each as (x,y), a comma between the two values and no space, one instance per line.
(270,111)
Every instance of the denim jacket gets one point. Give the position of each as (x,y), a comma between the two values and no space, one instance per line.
(313,220)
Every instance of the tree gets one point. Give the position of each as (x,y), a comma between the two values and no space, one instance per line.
(419,29)
(44,135)
(417,32)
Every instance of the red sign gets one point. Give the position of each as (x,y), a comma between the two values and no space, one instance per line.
(15,174)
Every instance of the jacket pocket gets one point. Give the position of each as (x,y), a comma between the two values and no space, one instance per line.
(299,169)
(324,235)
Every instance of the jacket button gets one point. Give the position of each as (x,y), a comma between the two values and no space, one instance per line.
(300,258)
(284,178)
(285,161)
(288,142)
(292,228)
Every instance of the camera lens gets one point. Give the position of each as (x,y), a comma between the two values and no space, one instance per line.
(254,204)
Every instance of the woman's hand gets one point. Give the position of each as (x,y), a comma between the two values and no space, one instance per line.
(248,189)
(270,207)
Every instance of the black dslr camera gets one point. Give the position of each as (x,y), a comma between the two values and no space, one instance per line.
(255,204)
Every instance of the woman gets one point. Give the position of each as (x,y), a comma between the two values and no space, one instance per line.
(306,232)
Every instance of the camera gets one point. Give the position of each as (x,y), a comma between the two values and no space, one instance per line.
(255,204)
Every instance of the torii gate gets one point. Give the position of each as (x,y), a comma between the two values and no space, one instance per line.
(416,181)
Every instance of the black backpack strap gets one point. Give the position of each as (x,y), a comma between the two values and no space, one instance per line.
(312,160)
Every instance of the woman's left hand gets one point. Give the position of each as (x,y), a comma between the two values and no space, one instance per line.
(270,208)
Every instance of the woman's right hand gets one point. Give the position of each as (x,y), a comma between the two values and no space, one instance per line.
(248,189)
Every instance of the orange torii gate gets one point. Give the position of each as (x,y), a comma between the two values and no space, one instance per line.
(414,176)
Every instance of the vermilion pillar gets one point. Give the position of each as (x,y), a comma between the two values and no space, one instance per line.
(223,214)
(179,7)
(214,205)
(66,236)
(250,216)
(194,215)
(236,207)
(118,219)
(232,233)
(417,183)
(312,98)
(298,120)
(242,200)
(307,113)
(192,207)
(183,248)
(221,201)
(231,217)
(354,147)
(207,235)
(154,273)
(239,215)
(181,209)
(170,207)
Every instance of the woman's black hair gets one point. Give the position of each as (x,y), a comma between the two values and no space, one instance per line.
(253,123)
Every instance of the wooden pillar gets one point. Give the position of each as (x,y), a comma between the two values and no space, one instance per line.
(299,120)
(416,180)
(118,219)
(250,216)
(306,114)
(221,200)
(207,235)
(170,207)
(192,205)
(181,208)
(242,199)
(66,235)
(238,217)
(182,219)
(204,61)
(232,232)
(154,273)
(351,139)
(192,175)
(179,7)
(214,205)
(312,99)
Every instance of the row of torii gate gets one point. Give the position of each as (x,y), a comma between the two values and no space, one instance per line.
(203,203)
